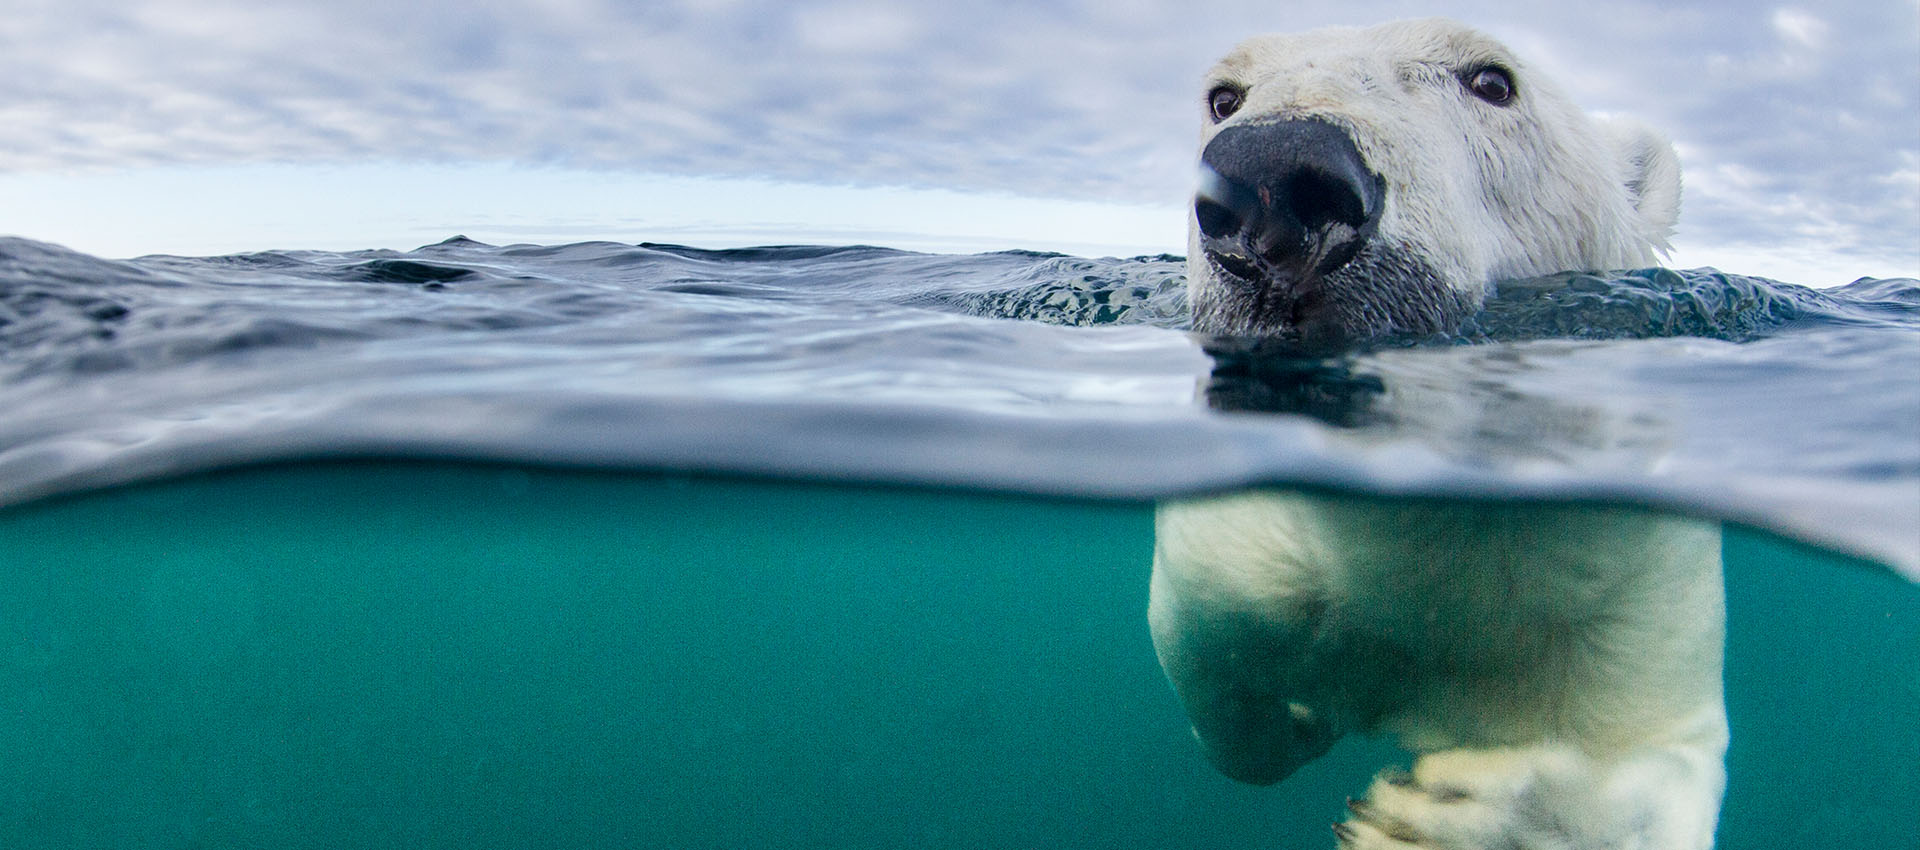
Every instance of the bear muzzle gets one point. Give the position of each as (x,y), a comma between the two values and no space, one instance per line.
(1255,686)
(1261,741)
(1283,203)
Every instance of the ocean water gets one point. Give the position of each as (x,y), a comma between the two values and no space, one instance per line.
(612,545)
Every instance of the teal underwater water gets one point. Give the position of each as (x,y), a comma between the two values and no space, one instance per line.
(426,655)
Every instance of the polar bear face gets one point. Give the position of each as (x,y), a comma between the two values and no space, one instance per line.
(1363,182)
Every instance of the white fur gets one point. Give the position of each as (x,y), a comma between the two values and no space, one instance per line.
(1555,667)
(1480,192)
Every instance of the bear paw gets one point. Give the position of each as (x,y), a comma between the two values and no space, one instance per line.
(1525,799)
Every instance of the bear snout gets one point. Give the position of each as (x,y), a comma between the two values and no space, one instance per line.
(1259,741)
(1284,202)
(1254,684)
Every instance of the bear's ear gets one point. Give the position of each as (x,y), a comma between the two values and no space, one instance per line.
(1651,171)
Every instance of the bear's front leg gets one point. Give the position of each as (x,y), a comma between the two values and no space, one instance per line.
(1548,797)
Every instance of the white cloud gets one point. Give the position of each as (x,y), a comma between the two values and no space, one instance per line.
(862,27)
(1800,28)
(1076,101)
(1906,178)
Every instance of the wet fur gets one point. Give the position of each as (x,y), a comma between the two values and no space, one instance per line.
(1474,192)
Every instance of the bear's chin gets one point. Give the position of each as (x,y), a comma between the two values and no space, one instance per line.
(1379,295)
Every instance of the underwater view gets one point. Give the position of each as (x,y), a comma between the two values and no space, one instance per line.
(602,545)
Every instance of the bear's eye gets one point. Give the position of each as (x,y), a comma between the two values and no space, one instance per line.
(1224,101)
(1493,85)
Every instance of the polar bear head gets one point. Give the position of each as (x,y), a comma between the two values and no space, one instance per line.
(1363,182)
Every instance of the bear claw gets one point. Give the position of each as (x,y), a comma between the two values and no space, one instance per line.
(1343,833)
(1364,811)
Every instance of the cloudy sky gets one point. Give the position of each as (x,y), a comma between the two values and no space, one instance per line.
(194,126)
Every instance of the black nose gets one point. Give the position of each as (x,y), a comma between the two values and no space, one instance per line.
(1285,198)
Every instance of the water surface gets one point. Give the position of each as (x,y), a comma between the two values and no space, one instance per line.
(1726,396)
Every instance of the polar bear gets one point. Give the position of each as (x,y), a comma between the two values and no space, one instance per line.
(1556,669)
